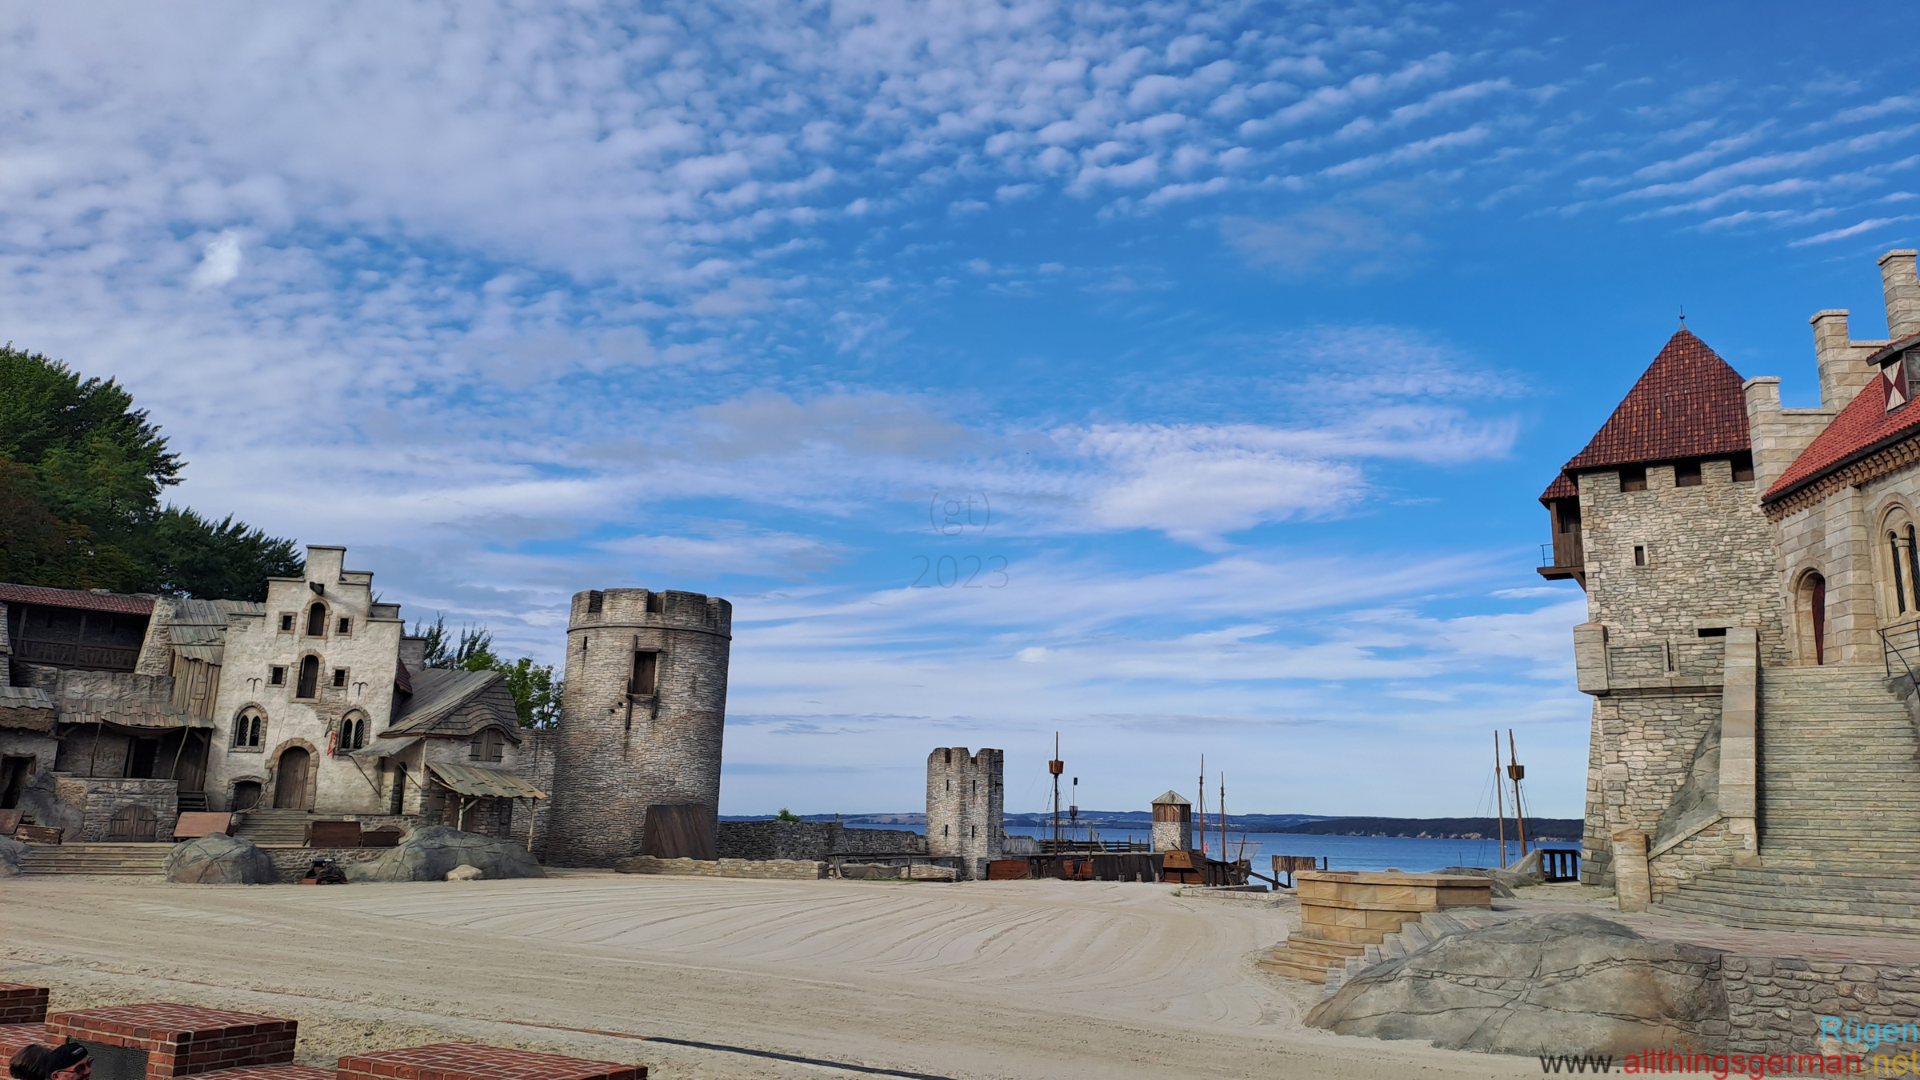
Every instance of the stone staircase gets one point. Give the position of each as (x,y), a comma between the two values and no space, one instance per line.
(274,828)
(1411,938)
(1840,812)
(142,859)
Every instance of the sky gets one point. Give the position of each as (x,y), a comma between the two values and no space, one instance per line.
(1178,377)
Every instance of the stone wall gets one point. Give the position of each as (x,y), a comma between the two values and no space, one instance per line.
(618,750)
(784,869)
(1642,751)
(99,798)
(1774,1004)
(535,767)
(811,840)
(292,863)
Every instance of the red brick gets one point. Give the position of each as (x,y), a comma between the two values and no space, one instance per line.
(182,1040)
(473,1061)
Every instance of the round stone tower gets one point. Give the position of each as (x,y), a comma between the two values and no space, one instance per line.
(641,718)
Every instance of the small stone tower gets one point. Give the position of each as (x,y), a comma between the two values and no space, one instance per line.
(1172,823)
(966,803)
(641,718)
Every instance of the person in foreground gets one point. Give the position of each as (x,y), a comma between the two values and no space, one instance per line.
(36,1062)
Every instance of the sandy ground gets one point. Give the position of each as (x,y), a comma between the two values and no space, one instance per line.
(1015,979)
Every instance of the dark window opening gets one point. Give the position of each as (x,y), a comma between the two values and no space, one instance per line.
(277,676)
(1713,631)
(1686,474)
(1639,555)
(286,623)
(1742,468)
(1899,575)
(646,672)
(353,733)
(656,603)
(1634,479)
(317,621)
(1913,564)
(309,678)
(249,729)
(343,626)
(949,754)
(339,676)
(596,601)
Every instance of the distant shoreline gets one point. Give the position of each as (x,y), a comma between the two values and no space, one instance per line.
(1558,830)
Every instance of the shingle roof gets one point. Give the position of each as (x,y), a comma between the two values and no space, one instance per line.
(118,603)
(1687,404)
(1860,428)
(449,703)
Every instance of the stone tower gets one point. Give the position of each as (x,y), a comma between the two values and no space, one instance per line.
(641,718)
(966,802)
(1172,823)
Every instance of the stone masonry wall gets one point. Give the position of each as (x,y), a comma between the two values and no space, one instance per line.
(617,751)
(99,798)
(1774,1004)
(766,869)
(1711,847)
(810,840)
(1641,752)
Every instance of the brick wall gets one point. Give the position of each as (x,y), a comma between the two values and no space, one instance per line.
(181,1040)
(471,1061)
(22,1004)
(616,752)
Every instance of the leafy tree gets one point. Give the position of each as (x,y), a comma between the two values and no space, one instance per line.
(788,815)
(536,693)
(81,474)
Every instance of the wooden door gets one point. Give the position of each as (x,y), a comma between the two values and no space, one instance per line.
(290,787)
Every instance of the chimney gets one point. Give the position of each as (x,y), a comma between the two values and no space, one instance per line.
(1842,374)
(1903,293)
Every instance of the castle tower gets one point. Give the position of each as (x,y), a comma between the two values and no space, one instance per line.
(1172,823)
(641,718)
(966,803)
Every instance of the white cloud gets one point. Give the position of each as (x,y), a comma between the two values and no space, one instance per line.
(219,261)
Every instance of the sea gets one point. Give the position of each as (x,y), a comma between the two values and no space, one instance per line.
(1412,854)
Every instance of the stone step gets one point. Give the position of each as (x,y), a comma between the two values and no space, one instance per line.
(1825,898)
(1736,912)
(127,859)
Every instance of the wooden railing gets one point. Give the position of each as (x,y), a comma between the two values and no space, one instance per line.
(1560,864)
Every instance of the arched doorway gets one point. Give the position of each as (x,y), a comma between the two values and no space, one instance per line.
(1810,616)
(290,787)
(246,795)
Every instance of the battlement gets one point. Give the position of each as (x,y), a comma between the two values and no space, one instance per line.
(666,609)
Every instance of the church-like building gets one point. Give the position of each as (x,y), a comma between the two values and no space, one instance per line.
(1753,587)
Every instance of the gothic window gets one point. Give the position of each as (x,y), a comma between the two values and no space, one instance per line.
(317,620)
(309,678)
(249,729)
(353,732)
(1899,573)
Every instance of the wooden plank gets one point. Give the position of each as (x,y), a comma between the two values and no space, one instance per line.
(679,831)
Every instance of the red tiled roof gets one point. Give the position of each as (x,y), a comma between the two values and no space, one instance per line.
(1687,404)
(1561,488)
(1861,427)
(119,603)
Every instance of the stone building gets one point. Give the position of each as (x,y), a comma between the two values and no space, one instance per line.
(1172,823)
(118,712)
(1753,629)
(966,807)
(641,719)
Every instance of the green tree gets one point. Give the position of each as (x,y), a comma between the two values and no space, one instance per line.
(536,693)
(81,475)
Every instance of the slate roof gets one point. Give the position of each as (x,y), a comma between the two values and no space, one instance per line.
(1862,427)
(1687,404)
(118,603)
(448,703)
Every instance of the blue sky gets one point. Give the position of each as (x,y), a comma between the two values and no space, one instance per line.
(1252,330)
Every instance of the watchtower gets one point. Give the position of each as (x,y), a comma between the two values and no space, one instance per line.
(966,803)
(641,718)
(1172,823)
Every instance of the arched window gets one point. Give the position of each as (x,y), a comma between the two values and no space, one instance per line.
(1900,566)
(353,732)
(317,620)
(309,678)
(487,744)
(1810,616)
(249,729)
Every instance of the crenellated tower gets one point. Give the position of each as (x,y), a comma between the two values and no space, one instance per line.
(641,718)
(966,802)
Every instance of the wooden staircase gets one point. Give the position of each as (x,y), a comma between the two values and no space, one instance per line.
(131,859)
(1840,812)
